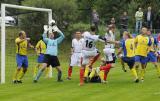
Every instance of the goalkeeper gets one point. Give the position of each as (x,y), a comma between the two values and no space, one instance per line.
(50,57)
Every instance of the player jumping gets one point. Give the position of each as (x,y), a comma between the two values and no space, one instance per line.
(50,57)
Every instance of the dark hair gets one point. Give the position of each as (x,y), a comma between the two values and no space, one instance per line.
(93,28)
(41,38)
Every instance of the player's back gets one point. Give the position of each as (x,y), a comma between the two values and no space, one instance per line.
(41,47)
(89,41)
(130,47)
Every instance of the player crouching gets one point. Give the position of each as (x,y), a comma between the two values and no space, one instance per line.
(98,74)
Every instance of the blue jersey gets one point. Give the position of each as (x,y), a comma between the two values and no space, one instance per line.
(52,44)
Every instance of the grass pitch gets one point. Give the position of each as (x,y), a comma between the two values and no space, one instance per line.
(119,88)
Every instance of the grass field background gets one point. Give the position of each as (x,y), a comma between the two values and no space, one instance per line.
(119,88)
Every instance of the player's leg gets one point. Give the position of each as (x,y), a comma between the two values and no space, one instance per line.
(104,71)
(40,71)
(84,61)
(94,59)
(123,65)
(35,69)
(93,72)
(86,72)
(19,61)
(59,75)
(153,60)
(69,72)
(73,61)
(144,61)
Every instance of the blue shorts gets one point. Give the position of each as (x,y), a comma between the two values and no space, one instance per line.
(40,58)
(141,59)
(129,60)
(22,61)
(151,57)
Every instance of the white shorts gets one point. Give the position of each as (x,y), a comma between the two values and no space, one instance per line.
(76,59)
(86,56)
(108,53)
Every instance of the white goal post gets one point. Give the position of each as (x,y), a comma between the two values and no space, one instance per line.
(3,42)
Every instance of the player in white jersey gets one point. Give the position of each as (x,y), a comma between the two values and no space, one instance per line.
(76,53)
(109,49)
(89,50)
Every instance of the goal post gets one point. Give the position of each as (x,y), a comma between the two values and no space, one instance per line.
(3,32)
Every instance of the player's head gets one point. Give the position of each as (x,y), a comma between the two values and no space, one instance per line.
(93,28)
(149,32)
(144,30)
(22,34)
(78,35)
(149,8)
(126,35)
(52,34)
(140,9)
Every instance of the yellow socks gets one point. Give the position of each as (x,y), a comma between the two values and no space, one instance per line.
(86,71)
(134,73)
(92,73)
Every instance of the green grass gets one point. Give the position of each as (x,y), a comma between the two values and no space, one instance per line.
(119,88)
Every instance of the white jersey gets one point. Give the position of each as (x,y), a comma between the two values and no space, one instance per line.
(89,41)
(77,45)
(110,36)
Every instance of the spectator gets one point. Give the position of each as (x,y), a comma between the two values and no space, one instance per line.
(139,18)
(113,21)
(158,22)
(95,19)
(148,18)
(123,23)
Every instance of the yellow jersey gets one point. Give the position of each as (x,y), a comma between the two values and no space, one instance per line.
(21,48)
(128,46)
(41,47)
(154,42)
(142,44)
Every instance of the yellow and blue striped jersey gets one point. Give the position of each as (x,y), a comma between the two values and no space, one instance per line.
(128,47)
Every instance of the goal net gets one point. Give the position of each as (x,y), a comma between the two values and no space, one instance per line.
(11,25)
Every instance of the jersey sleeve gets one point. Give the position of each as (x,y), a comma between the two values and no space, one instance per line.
(45,39)
(72,43)
(122,44)
(96,37)
(60,39)
(149,42)
(17,40)
(37,45)
(155,41)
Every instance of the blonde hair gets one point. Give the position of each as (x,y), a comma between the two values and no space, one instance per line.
(127,34)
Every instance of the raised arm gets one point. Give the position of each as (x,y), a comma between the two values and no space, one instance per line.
(45,39)
(61,37)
